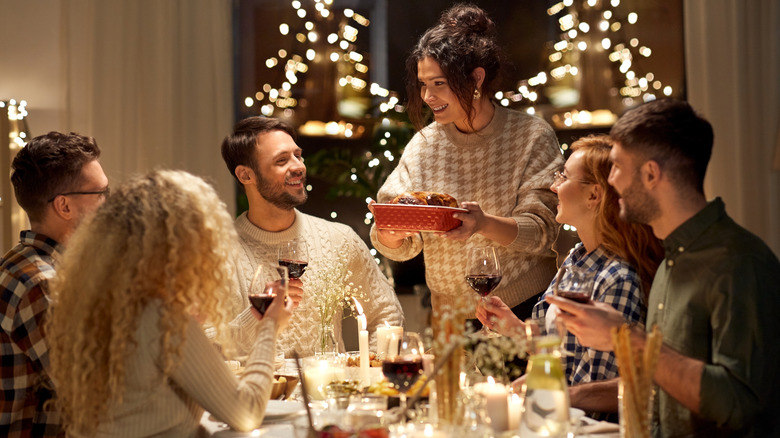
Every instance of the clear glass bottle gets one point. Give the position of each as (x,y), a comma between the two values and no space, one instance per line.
(546,395)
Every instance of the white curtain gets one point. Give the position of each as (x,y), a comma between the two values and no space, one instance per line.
(152,81)
(733,78)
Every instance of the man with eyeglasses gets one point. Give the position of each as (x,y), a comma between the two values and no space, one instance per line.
(57,180)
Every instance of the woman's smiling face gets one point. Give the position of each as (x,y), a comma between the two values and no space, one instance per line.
(436,93)
(573,193)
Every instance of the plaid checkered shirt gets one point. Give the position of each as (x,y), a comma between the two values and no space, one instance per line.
(616,283)
(24,273)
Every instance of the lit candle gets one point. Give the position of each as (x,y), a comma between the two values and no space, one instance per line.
(365,378)
(496,403)
(318,375)
(395,341)
(382,332)
(515,411)
(383,337)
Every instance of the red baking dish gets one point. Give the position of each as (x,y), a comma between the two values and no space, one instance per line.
(416,217)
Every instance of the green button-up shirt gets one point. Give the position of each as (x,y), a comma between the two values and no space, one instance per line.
(716,298)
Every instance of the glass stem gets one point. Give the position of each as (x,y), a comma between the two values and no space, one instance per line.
(402,406)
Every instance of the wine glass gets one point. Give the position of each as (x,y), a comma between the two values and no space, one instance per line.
(267,282)
(483,274)
(403,364)
(294,254)
(574,283)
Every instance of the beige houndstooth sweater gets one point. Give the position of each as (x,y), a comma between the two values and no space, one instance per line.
(507,168)
(322,238)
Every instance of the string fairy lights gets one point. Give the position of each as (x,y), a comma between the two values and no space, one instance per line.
(587,26)
(321,36)
(18,131)
(317,34)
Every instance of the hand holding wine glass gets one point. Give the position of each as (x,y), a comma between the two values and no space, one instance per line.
(575,284)
(483,274)
(268,282)
(403,364)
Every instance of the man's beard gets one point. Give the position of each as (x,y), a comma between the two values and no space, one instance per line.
(279,197)
(638,206)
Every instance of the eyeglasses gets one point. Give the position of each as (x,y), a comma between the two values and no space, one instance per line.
(560,177)
(105,193)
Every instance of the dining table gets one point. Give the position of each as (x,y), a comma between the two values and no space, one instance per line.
(287,419)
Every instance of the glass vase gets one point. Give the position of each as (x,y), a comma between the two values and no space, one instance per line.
(327,342)
(635,413)
(448,328)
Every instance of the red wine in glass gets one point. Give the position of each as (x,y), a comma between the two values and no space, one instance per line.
(574,283)
(295,267)
(403,364)
(574,296)
(483,274)
(294,254)
(261,302)
(483,284)
(402,373)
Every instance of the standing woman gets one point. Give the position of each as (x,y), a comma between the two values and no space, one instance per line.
(499,161)
(128,353)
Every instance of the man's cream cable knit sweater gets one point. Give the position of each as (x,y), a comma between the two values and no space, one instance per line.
(322,238)
(507,168)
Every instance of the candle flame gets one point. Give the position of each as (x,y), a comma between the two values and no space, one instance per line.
(358,307)
(491,380)
(361,318)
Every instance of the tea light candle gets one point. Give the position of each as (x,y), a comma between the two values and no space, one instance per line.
(496,403)
(515,411)
(317,379)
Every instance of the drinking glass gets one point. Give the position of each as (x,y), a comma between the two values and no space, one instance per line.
(574,283)
(403,365)
(483,274)
(267,282)
(294,254)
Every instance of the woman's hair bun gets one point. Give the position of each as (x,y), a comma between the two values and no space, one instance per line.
(468,18)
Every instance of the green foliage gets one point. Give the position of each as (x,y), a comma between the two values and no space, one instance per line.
(371,166)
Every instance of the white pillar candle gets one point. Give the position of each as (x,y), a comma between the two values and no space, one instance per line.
(383,333)
(365,379)
(382,338)
(496,403)
(515,411)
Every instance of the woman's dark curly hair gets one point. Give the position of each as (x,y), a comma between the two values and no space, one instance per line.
(464,39)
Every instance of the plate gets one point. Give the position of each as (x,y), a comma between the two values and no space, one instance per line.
(416,217)
(280,410)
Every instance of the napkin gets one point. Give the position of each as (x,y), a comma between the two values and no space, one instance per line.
(600,427)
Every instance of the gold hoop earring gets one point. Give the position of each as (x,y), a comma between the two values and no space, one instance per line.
(477,94)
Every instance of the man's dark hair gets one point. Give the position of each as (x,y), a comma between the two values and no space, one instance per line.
(238,149)
(670,133)
(48,165)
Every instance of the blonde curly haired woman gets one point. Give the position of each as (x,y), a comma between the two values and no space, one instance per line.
(129,358)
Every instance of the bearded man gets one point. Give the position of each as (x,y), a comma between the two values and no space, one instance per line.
(262,155)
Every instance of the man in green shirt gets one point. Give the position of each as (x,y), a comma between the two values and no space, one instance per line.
(716,295)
